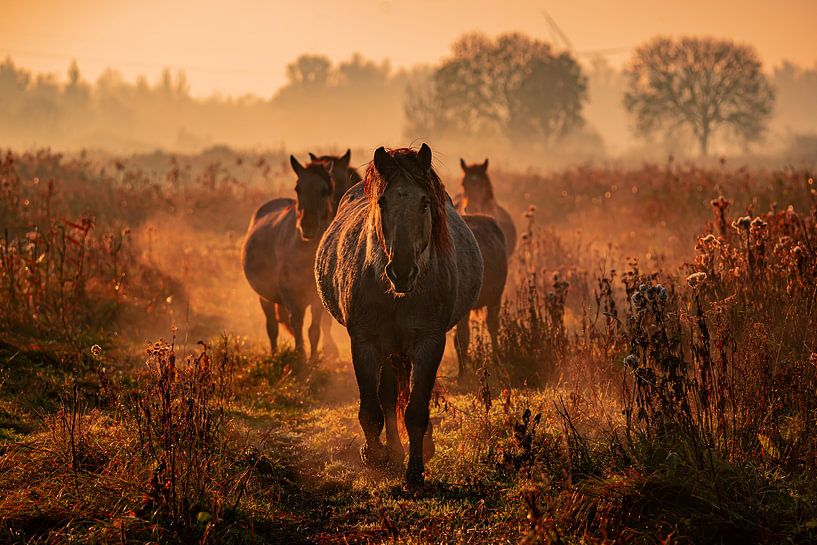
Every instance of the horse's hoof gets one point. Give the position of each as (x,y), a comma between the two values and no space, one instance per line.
(395,460)
(414,475)
(373,457)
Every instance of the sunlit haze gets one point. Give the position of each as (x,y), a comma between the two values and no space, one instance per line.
(242,47)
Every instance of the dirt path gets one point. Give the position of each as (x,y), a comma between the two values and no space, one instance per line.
(320,492)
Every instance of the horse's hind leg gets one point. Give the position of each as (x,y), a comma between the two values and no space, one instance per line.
(272,323)
(315,330)
(283,317)
(387,391)
(330,347)
(296,316)
(462,338)
(366,360)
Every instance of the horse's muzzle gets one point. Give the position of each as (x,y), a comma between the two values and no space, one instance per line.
(310,232)
(400,283)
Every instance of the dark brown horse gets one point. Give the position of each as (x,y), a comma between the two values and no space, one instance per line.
(399,268)
(478,198)
(343,175)
(278,255)
(491,242)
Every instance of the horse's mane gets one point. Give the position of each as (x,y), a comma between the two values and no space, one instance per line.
(408,163)
(319,169)
(476,169)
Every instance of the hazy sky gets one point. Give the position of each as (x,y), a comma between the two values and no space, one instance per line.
(243,46)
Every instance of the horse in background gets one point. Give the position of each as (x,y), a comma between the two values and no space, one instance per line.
(278,255)
(398,268)
(343,175)
(478,198)
(494,252)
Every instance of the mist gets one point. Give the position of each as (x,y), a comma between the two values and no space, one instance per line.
(356,103)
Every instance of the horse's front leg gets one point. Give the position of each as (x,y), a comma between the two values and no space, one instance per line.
(366,360)
(425,357)
(388,391)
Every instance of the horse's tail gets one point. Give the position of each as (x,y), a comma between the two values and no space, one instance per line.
(402,371)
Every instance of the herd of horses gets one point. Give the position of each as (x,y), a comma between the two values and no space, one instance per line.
(394,260)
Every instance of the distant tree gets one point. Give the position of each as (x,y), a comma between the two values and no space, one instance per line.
(359,71)
(701,83)
(513,86)
(14,85)
(309,71)
(76,92)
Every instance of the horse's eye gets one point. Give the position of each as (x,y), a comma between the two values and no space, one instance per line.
(425,206)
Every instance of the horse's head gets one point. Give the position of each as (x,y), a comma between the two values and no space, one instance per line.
(338,168)
(408,209)
(314,188)
(475,182)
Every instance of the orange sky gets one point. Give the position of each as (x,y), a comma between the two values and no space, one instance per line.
(243,46)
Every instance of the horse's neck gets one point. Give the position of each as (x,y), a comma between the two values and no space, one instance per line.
(486,205)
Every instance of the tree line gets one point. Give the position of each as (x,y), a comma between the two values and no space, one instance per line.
(511,90)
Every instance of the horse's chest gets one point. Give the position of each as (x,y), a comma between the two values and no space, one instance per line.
(399,324)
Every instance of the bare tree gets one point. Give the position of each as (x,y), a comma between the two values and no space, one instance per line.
(701,83)
(511,86)
(309,70)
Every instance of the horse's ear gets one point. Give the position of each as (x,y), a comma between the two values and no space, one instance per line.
(463,166)
(328,165)
(313,157)
(346,156)
(485,165)
(296,166)
(424,155)
(383,162)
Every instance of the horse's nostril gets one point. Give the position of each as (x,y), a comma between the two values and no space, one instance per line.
(390,273)
(415,270)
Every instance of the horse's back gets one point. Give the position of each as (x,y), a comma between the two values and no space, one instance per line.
(271,225)
(491,242)
(508,227)
(339,261)
(469,264)
(271,207)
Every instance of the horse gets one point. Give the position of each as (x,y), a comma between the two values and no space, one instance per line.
(491,241)
(478,198)
(398,267)
(279,248)
(343,175)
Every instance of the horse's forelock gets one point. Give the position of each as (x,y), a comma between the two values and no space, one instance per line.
(476,170)
(319,169)
(408,164)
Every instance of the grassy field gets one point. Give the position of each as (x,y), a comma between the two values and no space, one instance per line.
(655,379)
